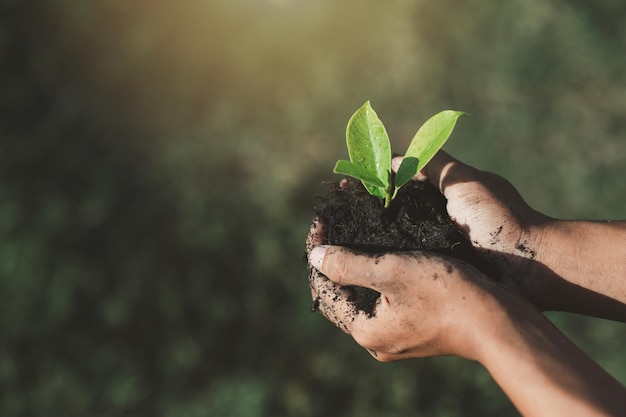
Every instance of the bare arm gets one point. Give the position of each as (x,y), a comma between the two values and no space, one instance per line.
(540,370)
(590,259)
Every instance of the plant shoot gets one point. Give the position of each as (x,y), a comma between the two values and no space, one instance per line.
(370,150)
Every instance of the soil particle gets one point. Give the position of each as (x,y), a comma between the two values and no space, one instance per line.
(316,305)
(495,235)
(416,220)
(525,250)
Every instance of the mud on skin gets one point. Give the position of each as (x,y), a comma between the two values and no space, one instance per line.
(416,220)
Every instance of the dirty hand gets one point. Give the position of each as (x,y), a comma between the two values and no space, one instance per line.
(427,307)
(506,232)
(431,305)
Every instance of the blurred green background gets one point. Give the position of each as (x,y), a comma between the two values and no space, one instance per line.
(158,167)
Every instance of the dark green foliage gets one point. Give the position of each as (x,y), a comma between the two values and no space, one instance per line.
(158,163)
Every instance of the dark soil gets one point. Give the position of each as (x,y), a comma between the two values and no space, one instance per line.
(416,220)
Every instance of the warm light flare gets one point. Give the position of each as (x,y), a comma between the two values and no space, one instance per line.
(170,63)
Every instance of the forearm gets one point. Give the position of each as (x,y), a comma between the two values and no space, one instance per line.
(583,266)
(540,370)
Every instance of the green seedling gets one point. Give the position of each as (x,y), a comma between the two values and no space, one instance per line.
(370,150)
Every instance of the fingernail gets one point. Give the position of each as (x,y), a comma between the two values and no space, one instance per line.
(316,257)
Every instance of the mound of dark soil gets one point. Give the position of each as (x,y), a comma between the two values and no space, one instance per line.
(416,220)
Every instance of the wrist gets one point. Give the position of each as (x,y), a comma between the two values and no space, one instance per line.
(505,319)
(558,253)
(541,371)
(539,248)
(580,268)
(488,308)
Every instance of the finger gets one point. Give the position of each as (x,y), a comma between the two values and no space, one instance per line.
(396,161)
(344,183)
(437,167)
(437,170)
(444,171)
(315,236)
(346,267)
(331,300)
(395,166)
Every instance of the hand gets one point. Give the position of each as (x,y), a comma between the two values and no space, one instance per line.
(431,305)
(427,307)
(506,232)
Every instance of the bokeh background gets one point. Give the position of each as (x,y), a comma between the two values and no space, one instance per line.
(158,168)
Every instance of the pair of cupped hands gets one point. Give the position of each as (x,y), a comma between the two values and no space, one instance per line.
(430,304)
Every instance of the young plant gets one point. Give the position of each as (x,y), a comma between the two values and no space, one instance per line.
(370,151)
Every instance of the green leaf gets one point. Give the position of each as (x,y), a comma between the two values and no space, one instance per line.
(356,171)
(425,144)
(368,146)
(406,171)
(372,184)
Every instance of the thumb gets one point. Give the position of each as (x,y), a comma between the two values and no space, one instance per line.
(445,171)
(435,171)
(347,267)
(438,168)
